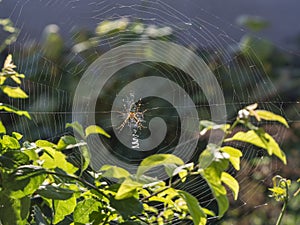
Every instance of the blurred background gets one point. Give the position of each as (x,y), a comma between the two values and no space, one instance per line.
(252,47)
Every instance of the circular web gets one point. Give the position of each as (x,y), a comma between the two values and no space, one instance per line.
(147,73)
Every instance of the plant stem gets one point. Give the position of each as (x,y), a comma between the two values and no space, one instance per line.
(281,213)
(82,181)
(286,201)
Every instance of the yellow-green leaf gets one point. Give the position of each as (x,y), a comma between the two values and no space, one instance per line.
(2,79)
(234,154)
(127,188)
(14,92)
(199,217)
(262,140)
(157,160)
(56,159)
(16,79)
(63,208)
(266,115)
(94,129)
(2,128)
(114,172)
(11,109)
(232,183)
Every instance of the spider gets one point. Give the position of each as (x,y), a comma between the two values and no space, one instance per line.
(134,118)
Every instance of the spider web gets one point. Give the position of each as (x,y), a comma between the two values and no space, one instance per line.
(51,82)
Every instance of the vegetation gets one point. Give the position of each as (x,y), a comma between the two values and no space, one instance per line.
(40,184)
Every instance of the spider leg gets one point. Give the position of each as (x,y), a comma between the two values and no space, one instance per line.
(138,123)
(120,128)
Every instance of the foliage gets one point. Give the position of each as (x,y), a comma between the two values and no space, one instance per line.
(280,192)
(39,183)
(9,28)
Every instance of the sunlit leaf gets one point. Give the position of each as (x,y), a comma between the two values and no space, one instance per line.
(206,158)
(25,181)
(2,128)
(232,183)
(14,92)
(212,175)
(199,217)
(260,139)
(86,158)
(94,129)
(235,155)
(44,143)
(127,188)
(157,160)
(65,141)
(63,208)
(9,142)
(11,109)
(182,171)
(17,135)
(84,209)
(56,159)
(77,128)
(206,125)
(16,79)
(114,172)
(266,115)
(107,26)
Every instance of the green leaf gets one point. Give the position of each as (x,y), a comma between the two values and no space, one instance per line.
(94,129)
(24,181)
(206,125)
(133,223)
(110,27)
(182,171)
(127,207)
(114,172)
(17,135)
(206,158)
(10,143)
(56,159)
(63,208)
(2,79)
(157,160)
(2,128)
(212,175)
(39,218)
(16,79)
(66,141)
(254,23)
(127,188)
(84,209)
(76,127)
(260,139)
(266,115)
(11,109)
(14,211)
(14,92)
(232,183)
(198,215)
(86,158)
(13,159)
(53,192)
(44,143)
(235,155)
